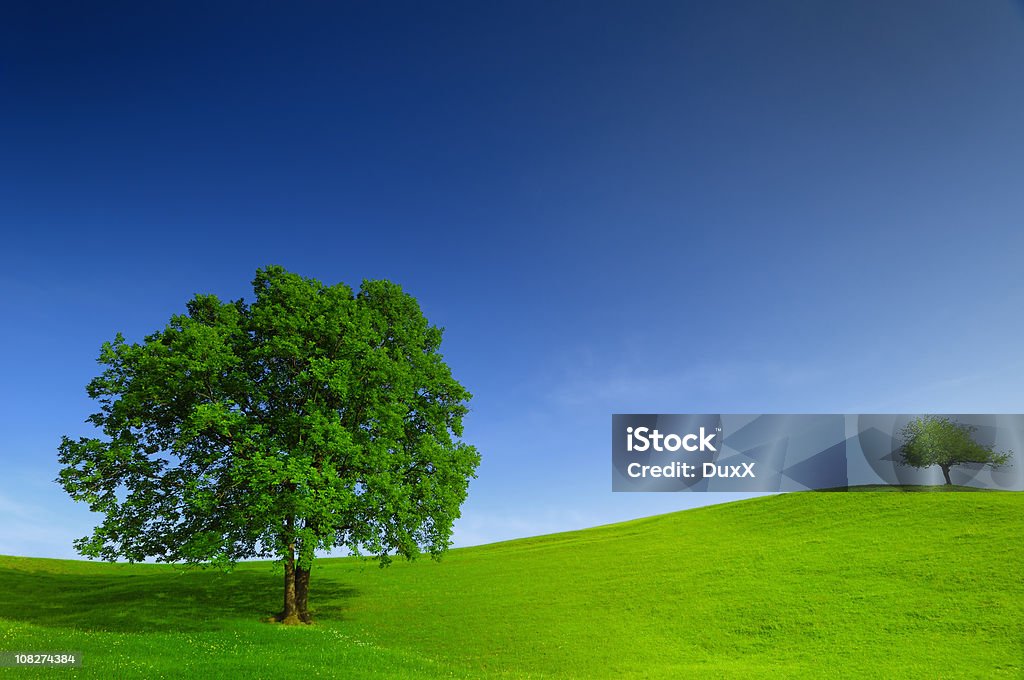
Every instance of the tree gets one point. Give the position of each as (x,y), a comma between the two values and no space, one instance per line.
(937,440)
(313,418)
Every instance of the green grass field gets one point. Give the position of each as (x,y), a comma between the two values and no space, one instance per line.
(886,585)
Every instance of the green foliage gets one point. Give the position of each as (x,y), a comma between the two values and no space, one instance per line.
(313,418)
(803,585)
(937,440)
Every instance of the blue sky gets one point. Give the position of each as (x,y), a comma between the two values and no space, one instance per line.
(611,207)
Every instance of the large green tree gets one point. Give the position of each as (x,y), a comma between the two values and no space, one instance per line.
(311,418)
(938,440)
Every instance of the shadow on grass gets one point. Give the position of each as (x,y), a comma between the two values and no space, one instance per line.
(166,601)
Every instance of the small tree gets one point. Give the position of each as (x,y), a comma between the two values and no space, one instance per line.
(313,418)
(937,440)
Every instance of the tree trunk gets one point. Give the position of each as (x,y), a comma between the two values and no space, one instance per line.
(290,614)
(945,473)
(302,594)
(296,582)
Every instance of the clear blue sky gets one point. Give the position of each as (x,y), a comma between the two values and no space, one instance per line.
(611,207)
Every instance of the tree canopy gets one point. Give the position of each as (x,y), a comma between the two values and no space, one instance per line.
(312,418)
(938,440)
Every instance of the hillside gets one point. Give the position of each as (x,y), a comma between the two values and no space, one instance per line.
(807,584)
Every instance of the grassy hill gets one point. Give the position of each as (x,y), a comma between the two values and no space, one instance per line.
(811,584)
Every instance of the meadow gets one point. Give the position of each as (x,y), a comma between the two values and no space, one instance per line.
(877,585)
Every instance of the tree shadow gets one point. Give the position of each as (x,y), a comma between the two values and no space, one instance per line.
(168,601)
